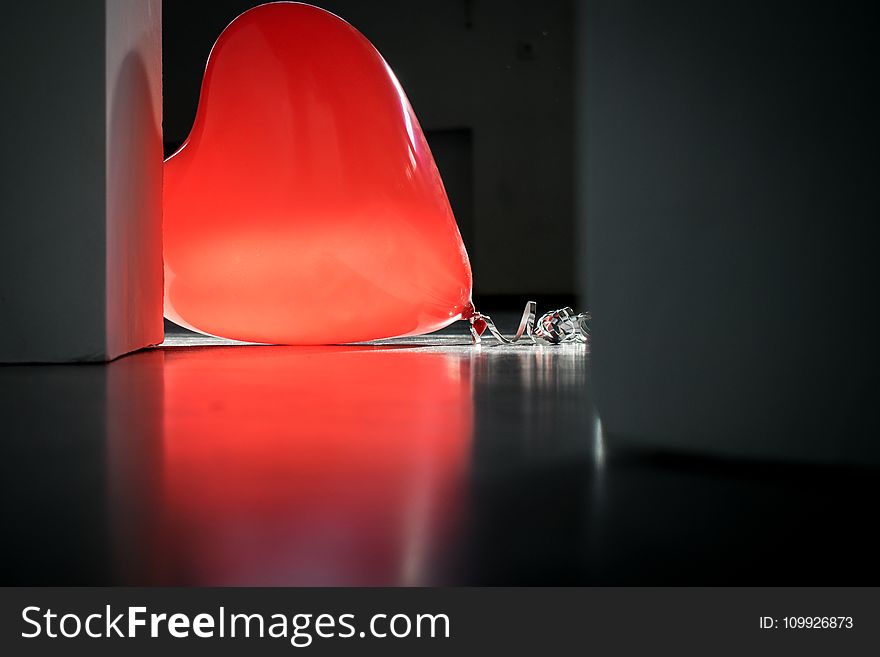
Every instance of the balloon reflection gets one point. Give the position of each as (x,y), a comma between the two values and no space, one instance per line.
(292,466)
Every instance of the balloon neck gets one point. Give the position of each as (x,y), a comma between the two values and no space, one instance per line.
(555,327)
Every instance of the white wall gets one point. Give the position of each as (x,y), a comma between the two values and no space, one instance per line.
(80,203)
(134,174)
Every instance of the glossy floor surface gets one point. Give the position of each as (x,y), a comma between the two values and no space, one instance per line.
(422,461)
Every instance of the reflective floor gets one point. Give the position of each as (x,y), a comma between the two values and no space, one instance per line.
(422,461)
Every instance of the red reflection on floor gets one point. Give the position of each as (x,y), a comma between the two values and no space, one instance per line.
(298,466)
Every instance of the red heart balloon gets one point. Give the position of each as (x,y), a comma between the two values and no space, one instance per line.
(305,206)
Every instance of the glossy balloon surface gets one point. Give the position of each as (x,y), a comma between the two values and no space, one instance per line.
(305,206)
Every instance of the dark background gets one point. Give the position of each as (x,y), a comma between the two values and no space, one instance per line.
(730,194)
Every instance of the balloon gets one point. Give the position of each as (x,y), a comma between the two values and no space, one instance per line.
(305,206)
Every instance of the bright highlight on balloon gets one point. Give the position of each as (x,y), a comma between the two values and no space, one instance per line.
(305,206)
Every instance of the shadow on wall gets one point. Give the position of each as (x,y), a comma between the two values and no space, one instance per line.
(134,203)
(730,203)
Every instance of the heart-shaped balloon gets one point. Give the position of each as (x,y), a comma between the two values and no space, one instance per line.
(305,206)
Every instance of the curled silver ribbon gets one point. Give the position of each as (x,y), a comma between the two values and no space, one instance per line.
(554,327)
